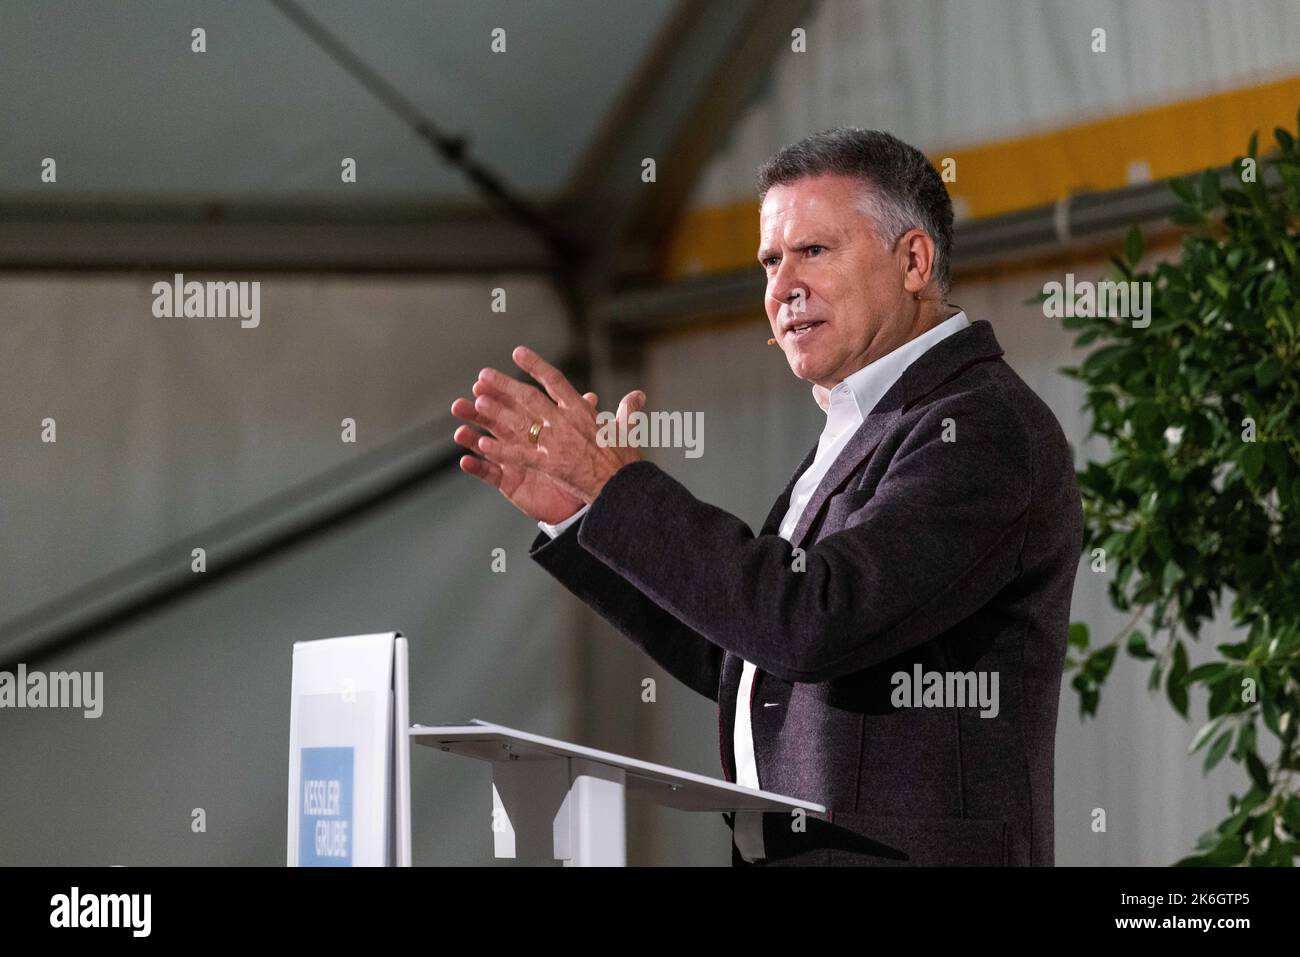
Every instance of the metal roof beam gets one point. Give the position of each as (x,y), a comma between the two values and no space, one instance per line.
(145,236)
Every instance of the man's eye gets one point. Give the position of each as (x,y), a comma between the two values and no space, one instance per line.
(814,249)
(771,260)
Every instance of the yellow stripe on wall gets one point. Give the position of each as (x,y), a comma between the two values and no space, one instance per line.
(994,178)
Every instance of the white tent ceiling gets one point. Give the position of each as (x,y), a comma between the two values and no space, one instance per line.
(113,92)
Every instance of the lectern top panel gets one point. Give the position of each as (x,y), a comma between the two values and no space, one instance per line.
(656,782)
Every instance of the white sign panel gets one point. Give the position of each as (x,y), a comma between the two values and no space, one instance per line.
(342,749)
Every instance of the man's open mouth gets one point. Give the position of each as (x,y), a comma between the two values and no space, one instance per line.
(798,329)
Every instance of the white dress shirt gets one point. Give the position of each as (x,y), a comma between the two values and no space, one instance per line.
(846,406)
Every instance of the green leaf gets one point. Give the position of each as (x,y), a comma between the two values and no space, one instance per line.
(1099,664)
(1206,732)
(1218,750)
(1133,245)
(1171,576)
(1224,697)
(1236,652)
(1291,815)
(1284,139)
(1231,850)
(1258,773)
(1233,824)
(1088,702)
(1268,707)
(1245,740)
(1207,673)
(1176,686)
(1251,459)
(1208,840)
(1219,284)
(1102,358)
(1210,195)
(1276,853)
(1137,646)
(1262,829)
(1267,370)
(1184,190)
(1078,635)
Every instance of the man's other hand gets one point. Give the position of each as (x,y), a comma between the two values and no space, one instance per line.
(534,493)
(567,466)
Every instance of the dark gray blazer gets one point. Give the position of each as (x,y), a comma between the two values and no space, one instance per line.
(947,534)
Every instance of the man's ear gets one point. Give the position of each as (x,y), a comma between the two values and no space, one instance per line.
(916,252)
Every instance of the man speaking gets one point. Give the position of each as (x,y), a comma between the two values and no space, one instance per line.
(890,643)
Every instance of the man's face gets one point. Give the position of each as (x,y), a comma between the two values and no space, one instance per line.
(814,237)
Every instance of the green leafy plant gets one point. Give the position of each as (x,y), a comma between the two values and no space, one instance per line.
(1199,499)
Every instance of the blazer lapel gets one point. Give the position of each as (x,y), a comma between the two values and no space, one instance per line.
(774,518)
(946,360)
(860,447)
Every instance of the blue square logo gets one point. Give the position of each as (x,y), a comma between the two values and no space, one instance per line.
(325,808)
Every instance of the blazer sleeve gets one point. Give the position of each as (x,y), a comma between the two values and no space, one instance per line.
(682,652)
(940,536)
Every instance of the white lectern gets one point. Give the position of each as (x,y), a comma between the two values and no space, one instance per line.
(350,772)
(552,800)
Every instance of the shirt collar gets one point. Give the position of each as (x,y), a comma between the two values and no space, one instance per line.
(861,390)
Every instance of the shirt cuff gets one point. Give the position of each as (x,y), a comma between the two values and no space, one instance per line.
(558,529)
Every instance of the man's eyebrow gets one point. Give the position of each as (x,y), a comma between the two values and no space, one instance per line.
(797,247)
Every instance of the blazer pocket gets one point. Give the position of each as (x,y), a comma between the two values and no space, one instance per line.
(927,842)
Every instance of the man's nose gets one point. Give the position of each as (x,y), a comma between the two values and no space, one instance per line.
(792,293)
(788,289)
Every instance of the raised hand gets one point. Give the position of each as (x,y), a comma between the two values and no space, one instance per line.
(567,445)
(534,493)
(565,448)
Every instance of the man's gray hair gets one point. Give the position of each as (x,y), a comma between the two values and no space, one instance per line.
(903,190)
